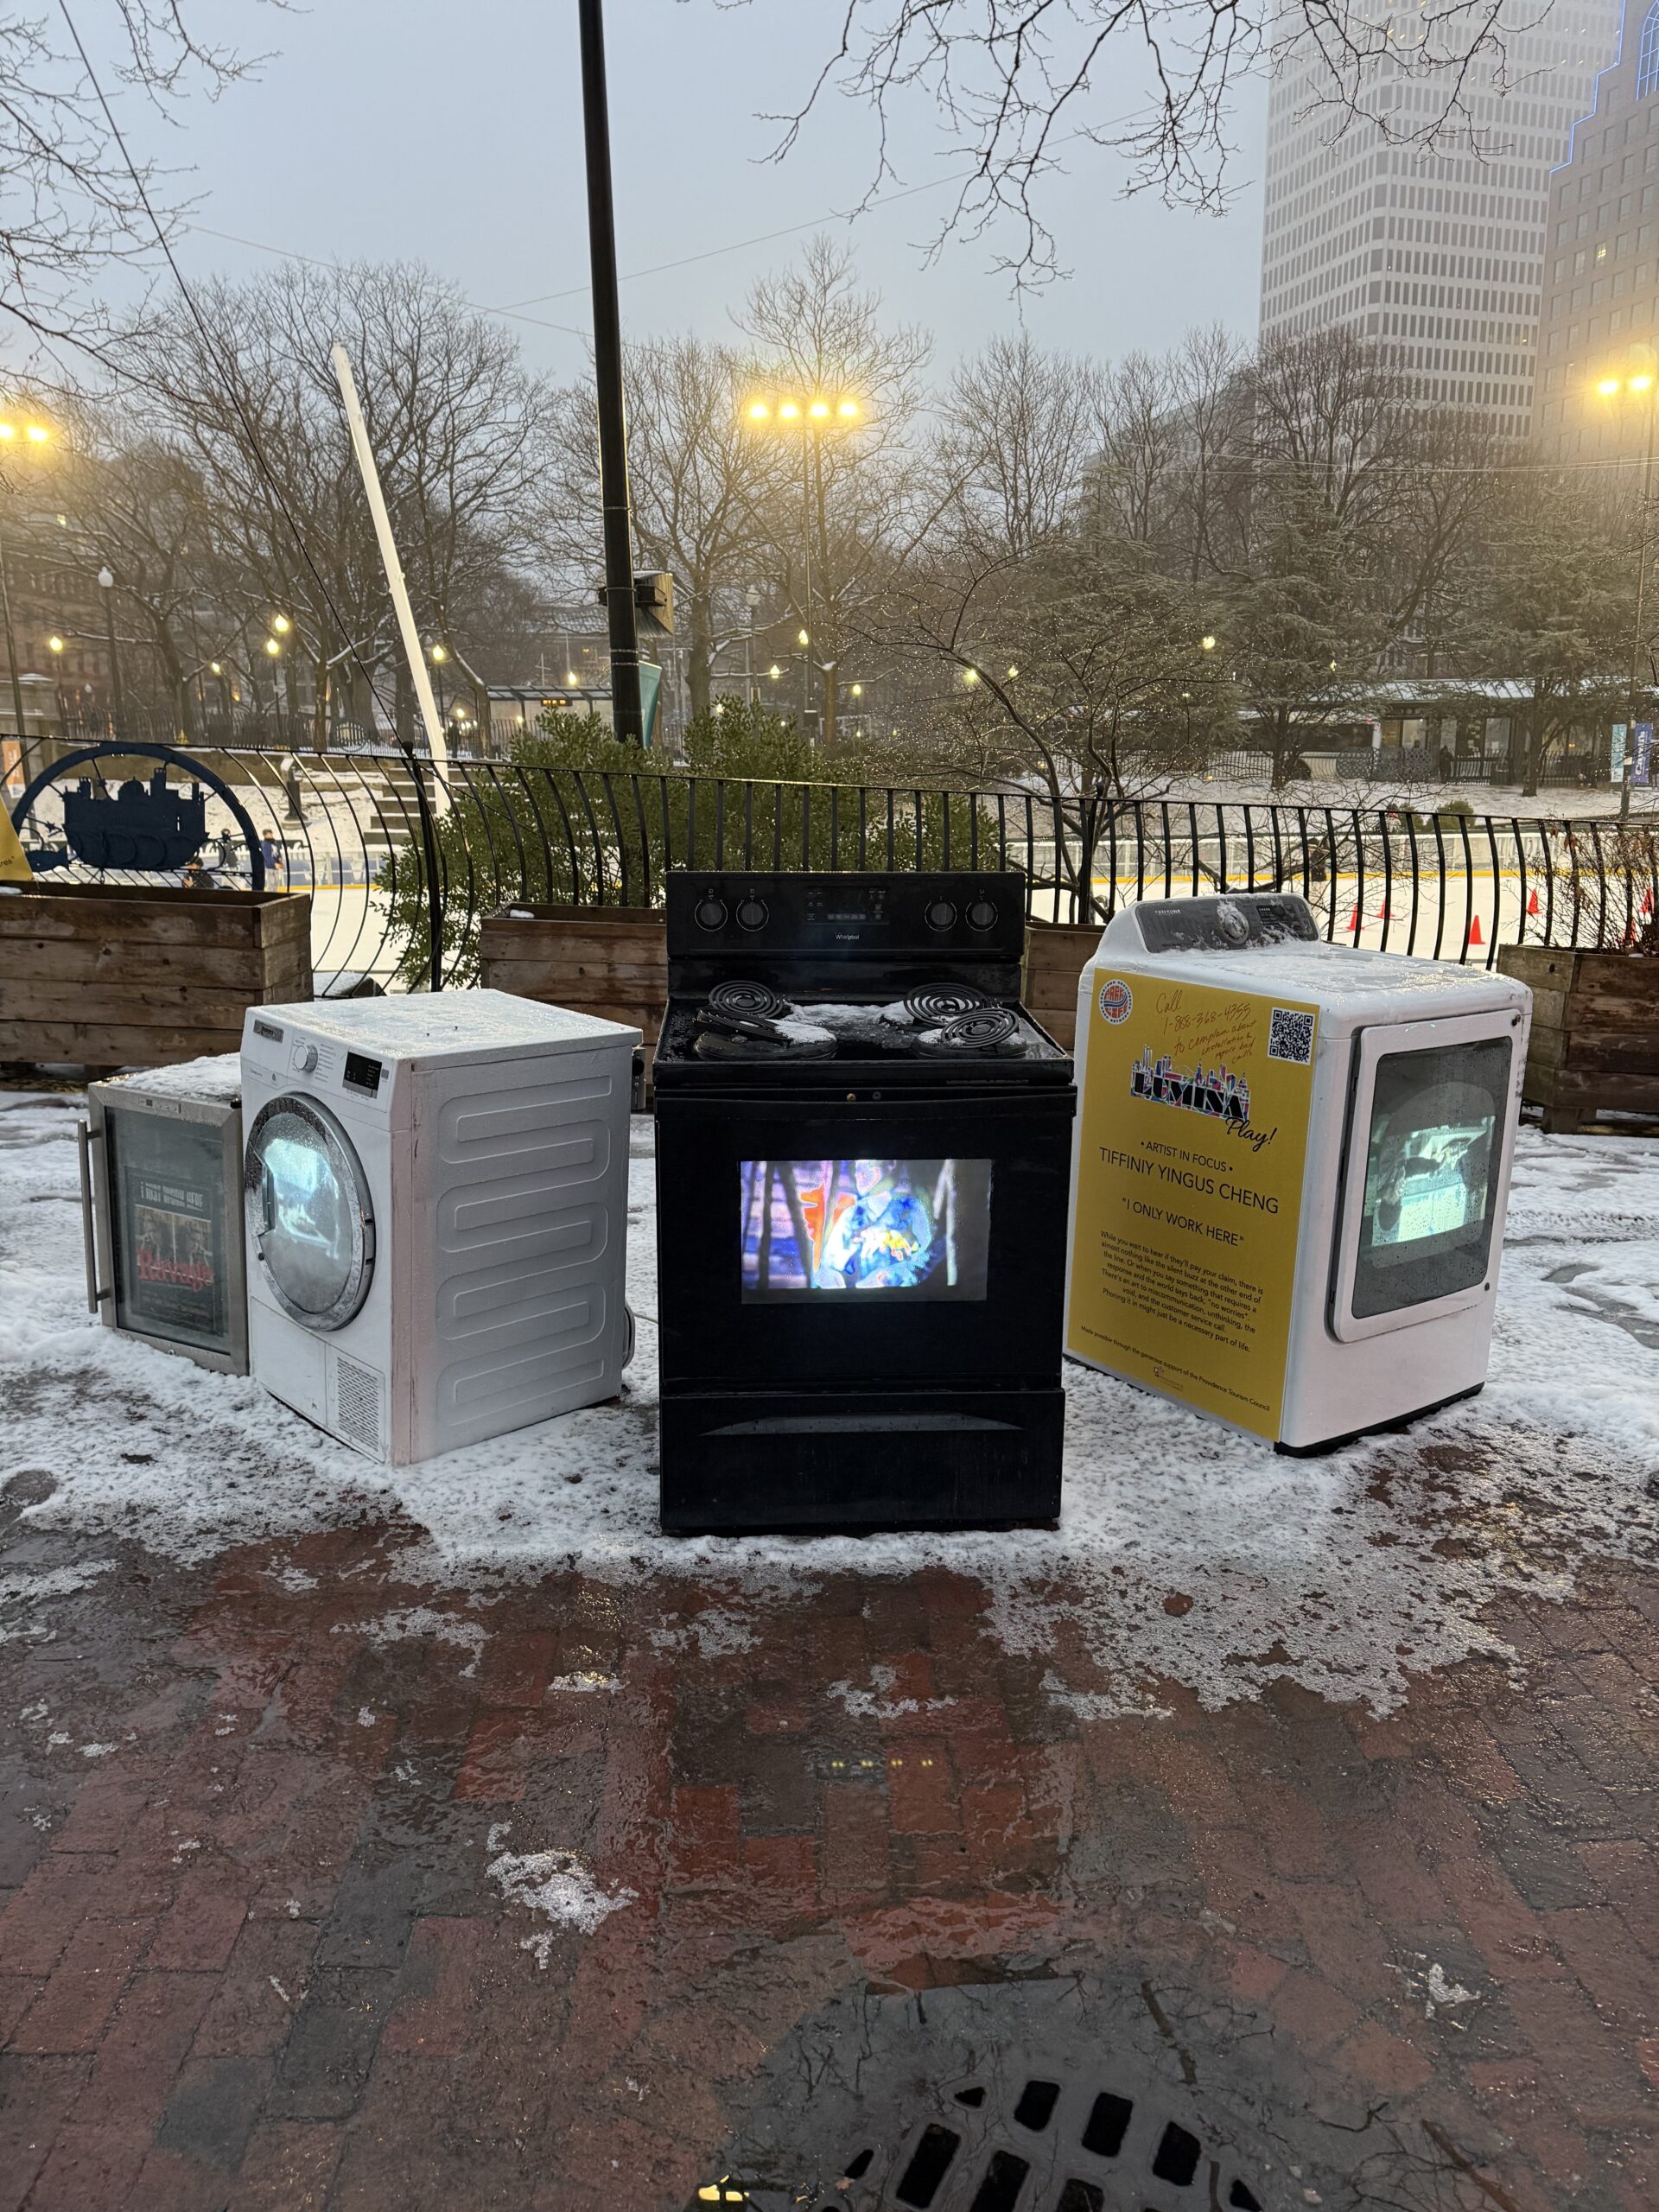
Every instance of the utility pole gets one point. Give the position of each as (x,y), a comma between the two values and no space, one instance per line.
(625,717)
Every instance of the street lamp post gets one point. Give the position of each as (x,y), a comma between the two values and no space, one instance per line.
(11,643)
(35,434)
(118,705)
(1642,385)
(751,600)
(813,417)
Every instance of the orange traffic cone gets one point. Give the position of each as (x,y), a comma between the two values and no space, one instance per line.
(1475,937)
(1353,922)
(1532,904)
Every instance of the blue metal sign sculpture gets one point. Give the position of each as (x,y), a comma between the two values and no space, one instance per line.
(151,829)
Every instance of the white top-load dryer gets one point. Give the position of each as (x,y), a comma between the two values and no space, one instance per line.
(1292,1161)
(435,1195)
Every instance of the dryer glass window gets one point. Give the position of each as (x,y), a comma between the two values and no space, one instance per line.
(307,1243)
(1431,1175)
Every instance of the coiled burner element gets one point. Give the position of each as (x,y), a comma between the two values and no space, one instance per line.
(943,1002)
(986,1029)
(750,1001)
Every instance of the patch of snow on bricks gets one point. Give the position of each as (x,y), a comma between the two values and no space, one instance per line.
(418,1624)
(21,1591)
(878,1703)
(555,1883)
(1187,1553)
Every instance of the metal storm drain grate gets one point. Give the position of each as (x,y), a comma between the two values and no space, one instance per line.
(999,2097)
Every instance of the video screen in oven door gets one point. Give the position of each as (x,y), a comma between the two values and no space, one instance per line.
(904,1230)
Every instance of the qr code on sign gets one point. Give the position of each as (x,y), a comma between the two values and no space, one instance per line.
(1291,1037)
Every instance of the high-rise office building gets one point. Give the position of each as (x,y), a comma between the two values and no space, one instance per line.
(1597,349)
(1437,253)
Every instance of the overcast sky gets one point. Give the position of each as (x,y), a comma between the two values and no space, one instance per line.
(389,129)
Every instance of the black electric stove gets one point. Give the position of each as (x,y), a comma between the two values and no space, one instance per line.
(863,1158)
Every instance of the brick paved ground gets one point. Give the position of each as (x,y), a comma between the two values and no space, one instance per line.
(253,1953)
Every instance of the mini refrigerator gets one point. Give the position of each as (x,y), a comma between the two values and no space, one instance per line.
(1290,1170)
(161,1177)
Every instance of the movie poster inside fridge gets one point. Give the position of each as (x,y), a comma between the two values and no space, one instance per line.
(169,1220)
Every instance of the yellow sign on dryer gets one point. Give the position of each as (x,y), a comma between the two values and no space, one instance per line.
(1192,1141)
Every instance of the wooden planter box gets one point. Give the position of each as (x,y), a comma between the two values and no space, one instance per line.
(1595,1032)
(1056,955)
(611,961)
(108,975)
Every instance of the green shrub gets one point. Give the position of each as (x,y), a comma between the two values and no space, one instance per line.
(574,815)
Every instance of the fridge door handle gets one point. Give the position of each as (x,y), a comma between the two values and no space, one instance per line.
(95,1297)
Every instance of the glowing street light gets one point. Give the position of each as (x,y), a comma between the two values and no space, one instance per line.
(1642,383)
(281,625)
(54,644)
(273,646)
(971,677)
(439,654)
(802,638)
(1207,643)
(858,691)
(774,671)
(214,669)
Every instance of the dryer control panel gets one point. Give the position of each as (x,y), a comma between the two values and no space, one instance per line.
(321,1066)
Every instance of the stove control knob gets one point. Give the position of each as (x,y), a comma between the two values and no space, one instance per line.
(981,915)
(752,914)
(941,914)
(711,914)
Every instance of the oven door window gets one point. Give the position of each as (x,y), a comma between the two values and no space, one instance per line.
(899,1231)
(1431,1175)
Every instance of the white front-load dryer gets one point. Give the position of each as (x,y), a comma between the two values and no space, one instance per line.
(435,1195)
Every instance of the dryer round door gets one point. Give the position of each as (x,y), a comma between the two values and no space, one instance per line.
(308,1213)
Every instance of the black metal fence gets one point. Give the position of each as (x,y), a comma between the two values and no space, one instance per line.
(402,863)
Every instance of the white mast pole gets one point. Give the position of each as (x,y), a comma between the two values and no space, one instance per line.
(394,568)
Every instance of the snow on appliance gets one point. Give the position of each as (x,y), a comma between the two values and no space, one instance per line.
(1291,1168)
(435,1195)
(161,1182)
(862,1141)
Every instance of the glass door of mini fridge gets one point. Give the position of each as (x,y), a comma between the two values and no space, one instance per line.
(163,1182)
(1430,1135)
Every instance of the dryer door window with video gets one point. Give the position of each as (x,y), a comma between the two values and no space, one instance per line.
(912,1229)
(1431,1175)
(309,1210)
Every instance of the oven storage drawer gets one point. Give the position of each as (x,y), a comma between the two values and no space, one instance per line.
(861,1243)
(760,1460)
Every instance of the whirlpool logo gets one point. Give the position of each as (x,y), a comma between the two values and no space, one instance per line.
(1116,1000)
